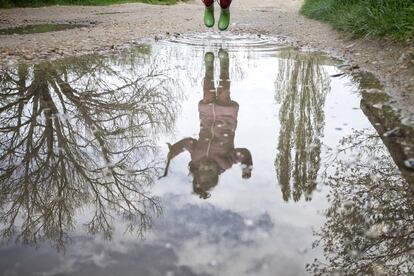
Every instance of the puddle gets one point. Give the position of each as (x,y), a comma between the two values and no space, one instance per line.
(277,163)
(40,28)
(108,13)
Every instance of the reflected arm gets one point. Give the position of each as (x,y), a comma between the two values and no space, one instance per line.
(176,149)
(245,158)
(180,146)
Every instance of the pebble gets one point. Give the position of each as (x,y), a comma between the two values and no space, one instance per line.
(402,58)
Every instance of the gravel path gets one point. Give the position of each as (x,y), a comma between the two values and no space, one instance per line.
(111,26)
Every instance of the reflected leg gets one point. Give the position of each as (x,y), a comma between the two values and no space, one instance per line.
(209,92)
(223,90)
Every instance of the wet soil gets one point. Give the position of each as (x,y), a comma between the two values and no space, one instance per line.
(41,28)
(118,25)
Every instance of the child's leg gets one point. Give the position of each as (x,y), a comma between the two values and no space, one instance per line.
(224,4)
(209,92)
(224,19)
(223,90)
(209,13)
(208,3)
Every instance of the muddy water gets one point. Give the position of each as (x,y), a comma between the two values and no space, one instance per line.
(40,28)
(277,163)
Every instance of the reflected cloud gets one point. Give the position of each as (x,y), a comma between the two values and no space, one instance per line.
(189,221)
(80,135)
(88,257)
(301,89)
(198,230)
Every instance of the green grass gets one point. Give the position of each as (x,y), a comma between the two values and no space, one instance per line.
(373,18)
(39,3)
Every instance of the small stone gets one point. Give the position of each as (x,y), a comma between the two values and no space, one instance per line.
(402,58)
(350,45)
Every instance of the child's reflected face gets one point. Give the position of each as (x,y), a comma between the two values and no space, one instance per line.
(207,172)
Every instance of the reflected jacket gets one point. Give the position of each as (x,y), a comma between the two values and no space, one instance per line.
(218,124)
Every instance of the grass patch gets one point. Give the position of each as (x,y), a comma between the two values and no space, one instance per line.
(375,18)
(40,3)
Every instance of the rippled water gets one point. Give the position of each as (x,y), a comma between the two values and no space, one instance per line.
(202,155)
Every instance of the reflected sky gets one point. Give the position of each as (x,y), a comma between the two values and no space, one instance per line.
(202,155)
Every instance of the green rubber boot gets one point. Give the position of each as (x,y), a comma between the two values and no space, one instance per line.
(209,61)
(209,16)
(224,19)
(224,60)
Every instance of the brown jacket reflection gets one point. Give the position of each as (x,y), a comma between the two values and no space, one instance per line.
(216,138)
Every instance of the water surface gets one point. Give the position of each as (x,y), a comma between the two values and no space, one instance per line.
(279,163)
(39,28)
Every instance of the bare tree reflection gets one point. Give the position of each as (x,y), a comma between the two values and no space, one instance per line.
(301,88)
(370,224)
(78,135)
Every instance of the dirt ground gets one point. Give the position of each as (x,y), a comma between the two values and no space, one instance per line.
(111,26)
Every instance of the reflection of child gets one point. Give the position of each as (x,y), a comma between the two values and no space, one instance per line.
(224,19)
(214,151)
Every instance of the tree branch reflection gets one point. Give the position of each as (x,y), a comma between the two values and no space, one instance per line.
(370,225)
(78,135)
